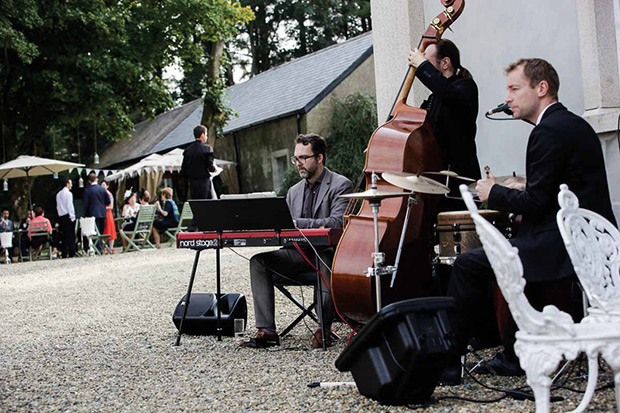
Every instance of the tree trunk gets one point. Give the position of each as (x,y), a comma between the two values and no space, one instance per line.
(210,108)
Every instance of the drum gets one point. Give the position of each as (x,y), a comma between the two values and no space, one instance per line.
(456,232)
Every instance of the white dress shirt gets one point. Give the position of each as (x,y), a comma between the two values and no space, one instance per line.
(64,203)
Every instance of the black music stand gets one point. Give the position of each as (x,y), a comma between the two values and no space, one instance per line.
(220,215)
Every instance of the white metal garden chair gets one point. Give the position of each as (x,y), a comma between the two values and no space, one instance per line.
(6,242)
(593,245)
(544,338)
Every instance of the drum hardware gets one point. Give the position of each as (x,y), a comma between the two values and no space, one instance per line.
(374,198)
(456,235)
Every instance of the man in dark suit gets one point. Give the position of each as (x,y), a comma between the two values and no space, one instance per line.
(562,148)
(197,165)
(95,200)
(314,203)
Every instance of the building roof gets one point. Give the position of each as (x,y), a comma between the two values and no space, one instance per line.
(291,88)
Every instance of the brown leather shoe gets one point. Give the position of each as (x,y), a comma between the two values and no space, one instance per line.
(317,339)
(264,338)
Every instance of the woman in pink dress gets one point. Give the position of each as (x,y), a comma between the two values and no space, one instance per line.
(110,225)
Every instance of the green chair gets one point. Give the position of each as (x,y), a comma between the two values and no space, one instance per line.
(184,221)
(138,238)
(37,230)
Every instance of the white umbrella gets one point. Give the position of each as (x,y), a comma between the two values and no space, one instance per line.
(26,166)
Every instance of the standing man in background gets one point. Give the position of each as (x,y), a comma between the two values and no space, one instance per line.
(95,201)
(197,166)
(66,219)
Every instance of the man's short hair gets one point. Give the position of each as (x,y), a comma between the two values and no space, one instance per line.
(38,211)
(92,177)
(5,209)
(537,70)
(199,130)
(317,142)
(65,181)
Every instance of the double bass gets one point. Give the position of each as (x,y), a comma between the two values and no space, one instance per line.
(405,143)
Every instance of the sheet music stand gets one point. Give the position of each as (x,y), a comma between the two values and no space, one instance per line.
(221,215)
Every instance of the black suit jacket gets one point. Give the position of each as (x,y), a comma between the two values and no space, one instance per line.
(562,148)
(452,111)
(197,161)
(95,200)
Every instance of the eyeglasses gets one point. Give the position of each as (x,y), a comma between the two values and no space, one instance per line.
(301,159)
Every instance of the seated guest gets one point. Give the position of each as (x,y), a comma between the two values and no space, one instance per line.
(144,197)
(169,215)
(38,241)
(314,203)
(130,212)
(6,225)
(24,241)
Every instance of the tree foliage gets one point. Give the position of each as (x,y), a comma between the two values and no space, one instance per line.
(98,64)
(286,29)
(353,122)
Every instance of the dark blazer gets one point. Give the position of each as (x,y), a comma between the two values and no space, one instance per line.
(197,161)
(328,209)
(95,200)
(452,111)
(562,148)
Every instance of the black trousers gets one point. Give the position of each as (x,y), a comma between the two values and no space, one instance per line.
(200,188)
(67,236)
(471,285)
(100,222)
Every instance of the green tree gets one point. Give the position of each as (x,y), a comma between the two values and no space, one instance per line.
(100,63)
(73,70)
(353,122)
(309,25)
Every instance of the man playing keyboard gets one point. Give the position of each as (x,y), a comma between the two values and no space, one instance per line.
(314,203)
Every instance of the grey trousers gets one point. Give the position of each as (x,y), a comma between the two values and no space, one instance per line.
(286,266)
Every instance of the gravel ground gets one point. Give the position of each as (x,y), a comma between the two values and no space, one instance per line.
(96,334)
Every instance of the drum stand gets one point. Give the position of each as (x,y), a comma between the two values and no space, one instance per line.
(378,268)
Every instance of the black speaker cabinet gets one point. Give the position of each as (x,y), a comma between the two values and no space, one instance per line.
(201,316)
(398,357)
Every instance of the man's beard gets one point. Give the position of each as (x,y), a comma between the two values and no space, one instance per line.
(306,174)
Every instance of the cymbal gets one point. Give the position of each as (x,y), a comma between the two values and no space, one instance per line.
(374,194)
(415,183)
(451,174)
(505,180)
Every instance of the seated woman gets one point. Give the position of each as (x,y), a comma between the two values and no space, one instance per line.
(169,213)
(130,212)
(37,242)
(144,197)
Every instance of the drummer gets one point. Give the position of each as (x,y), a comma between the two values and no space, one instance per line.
(562,148)
(452,110)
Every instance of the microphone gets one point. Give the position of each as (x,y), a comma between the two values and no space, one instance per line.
(502,107)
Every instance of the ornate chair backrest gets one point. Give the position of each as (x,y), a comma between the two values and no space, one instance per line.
(593,245)
(506,264)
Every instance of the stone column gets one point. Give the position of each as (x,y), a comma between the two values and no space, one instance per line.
(397,28)
(601,83)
